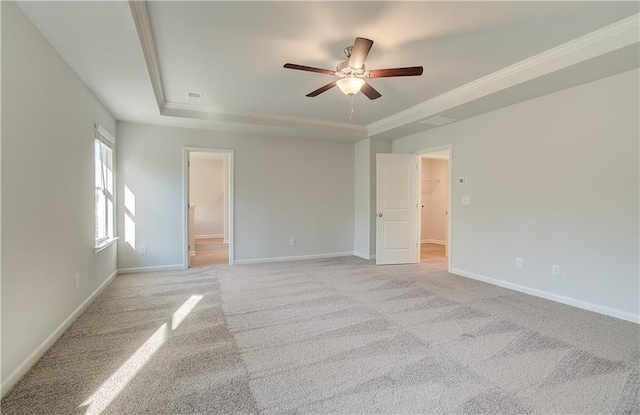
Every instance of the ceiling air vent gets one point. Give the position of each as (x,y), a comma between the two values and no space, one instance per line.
(193,97)
(438,120)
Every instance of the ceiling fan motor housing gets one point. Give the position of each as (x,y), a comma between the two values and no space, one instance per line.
(343,69)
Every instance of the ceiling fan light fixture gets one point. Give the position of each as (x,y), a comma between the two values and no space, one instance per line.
(350,86)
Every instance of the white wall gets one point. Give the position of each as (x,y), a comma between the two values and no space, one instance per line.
(553,180)
(48,119)
(206,191)
(362,198)
(434,192)
(365,194)
(284,188)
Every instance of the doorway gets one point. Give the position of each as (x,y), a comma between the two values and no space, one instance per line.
(208,195)
(435,207)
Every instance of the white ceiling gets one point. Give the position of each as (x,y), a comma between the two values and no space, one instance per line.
(233,53)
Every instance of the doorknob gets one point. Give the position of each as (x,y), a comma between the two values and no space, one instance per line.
(379,215)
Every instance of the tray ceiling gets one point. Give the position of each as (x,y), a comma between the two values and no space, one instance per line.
(233,52)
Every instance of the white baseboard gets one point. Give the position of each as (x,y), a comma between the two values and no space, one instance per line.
(213,235)
(608,311)
(151,269)
(432,241)
(291,258)
(364,256)
(27,363)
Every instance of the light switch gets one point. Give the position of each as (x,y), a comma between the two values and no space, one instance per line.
(466,200)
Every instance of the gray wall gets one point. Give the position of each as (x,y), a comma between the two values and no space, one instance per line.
(362,198)
(48,118)
(284,188)
(365,194)
(553,180)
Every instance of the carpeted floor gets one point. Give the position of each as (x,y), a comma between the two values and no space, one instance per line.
(335,336)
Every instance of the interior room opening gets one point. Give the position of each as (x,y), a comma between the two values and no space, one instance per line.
(208,209)
(434,199)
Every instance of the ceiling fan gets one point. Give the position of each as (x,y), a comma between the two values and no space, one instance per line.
(352,72)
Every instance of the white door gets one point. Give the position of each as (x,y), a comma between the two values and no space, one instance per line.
(397,209)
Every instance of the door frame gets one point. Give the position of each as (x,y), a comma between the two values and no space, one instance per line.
(421,153)
(185,198)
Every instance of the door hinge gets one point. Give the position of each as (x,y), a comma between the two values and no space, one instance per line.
(188,164)
(189,247)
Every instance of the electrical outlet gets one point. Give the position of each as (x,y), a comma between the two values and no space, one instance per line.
(76,280)
(292,242)
(555,270)
(519,263)
(143,250)
(466,200)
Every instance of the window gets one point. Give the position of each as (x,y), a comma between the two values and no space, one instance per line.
(104,188)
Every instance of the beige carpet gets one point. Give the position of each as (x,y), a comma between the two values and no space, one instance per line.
(335,336)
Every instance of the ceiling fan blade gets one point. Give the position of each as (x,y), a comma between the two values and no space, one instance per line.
(370,92)
(309,69)
(359,52)
(388,73)
(322,89)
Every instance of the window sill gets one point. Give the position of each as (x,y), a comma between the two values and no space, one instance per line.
(104,244)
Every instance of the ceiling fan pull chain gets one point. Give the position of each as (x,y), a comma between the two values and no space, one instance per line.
(351,107)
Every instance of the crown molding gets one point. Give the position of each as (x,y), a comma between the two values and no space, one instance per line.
(607,39)
(143,26)
(245,117)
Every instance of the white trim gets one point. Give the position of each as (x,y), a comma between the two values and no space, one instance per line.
(185,198)
(105,136)
(432,241)
(213,235)
(585,305)
(364,256)
(104,244)
(173,267)
(292,258)
(246,117)
(109,140)
(143,27)
(27,363)
(607,39)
